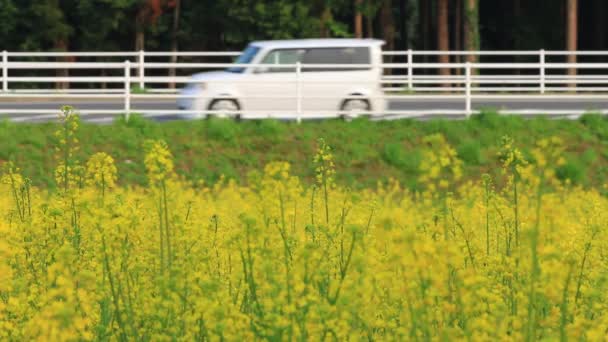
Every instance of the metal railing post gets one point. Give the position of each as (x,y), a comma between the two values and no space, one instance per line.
(542,71)
(127,89)
(4,71)
(141,72)
(468,89)
(410,69)
(298,92)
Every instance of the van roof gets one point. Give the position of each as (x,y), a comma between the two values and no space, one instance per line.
(310,43)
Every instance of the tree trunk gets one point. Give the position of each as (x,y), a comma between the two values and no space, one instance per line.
(61,45)
(358,19)
(140,38)
(388,29)
(140,22)
(443,35)
(174,33)
(412,23)
(370,26)
(388,24)
(571,34)
(457,32)
(471,30)
(326,17)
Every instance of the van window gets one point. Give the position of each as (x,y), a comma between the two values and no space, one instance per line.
(282,57)
(349,55)
(245,58)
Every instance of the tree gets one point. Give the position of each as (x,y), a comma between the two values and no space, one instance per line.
(600,24)
(443,34)
(471,29)
(170,25)
(8,21)
(358,19)
(426,27)
(571,34)
(412,18)
(101,25)
(326,18)
(202,29)
(388,24)
(46,28)
(458,7)
(273,19)
(174,35)
(370,9)
(517,20)
(147,14)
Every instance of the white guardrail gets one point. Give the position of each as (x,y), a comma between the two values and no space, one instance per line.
(407,75)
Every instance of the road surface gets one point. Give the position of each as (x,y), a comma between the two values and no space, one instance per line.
(411,104)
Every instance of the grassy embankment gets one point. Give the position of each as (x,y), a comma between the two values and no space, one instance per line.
(366,152)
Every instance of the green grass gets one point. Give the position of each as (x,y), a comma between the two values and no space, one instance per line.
(365,151)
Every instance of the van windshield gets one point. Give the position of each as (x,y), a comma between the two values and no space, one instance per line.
(245,58)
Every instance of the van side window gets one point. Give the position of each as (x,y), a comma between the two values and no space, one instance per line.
(349,55)
(282,57)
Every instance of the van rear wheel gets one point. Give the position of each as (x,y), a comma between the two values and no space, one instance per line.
(354,108)
(224,108)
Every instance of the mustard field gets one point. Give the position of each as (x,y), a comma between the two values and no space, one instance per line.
(280,259)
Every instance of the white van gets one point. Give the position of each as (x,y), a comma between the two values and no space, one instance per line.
(262,90)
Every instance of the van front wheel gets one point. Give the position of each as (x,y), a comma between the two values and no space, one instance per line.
(223,108)
(353,108)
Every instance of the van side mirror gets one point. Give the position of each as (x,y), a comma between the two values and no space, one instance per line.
(261,70)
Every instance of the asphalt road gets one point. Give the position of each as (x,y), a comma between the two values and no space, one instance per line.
(413,105)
